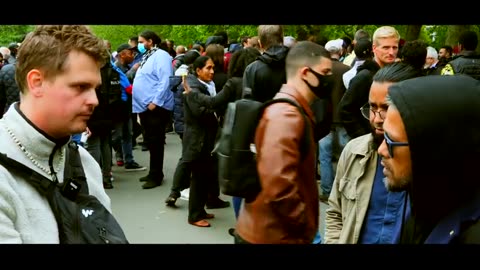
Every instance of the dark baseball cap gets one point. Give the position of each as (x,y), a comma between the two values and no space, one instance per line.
(125,46)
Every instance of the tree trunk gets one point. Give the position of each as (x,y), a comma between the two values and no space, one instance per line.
(413,32)
(453,34)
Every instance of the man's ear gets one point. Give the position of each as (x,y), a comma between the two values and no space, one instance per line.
(35,82)
(303,72)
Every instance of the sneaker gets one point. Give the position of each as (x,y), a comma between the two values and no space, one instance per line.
(172,198)
(107,185)
(184,194)
(133,166)
(151,184)
(144,178)
(120,163)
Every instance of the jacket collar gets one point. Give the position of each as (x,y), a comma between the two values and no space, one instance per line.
(292,92)
(364,146)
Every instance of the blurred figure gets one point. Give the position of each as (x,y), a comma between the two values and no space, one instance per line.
(431,61)
(467,61)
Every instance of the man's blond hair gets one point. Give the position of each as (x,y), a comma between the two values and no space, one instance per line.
(385,32)
(47,47)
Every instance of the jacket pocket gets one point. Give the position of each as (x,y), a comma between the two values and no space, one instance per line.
(347,189)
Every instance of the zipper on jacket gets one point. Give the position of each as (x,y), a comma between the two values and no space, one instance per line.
(103,234)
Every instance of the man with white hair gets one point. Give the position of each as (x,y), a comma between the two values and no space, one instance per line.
(431,61)
(289,41)
(6,54)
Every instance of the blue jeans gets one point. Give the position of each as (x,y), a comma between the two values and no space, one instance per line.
(318,238)
(327,174)
(122,140)
(99,147)
(237,203)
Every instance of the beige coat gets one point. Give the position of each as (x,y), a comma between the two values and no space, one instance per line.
(350,195)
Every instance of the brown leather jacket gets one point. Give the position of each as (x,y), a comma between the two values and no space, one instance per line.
(287,209)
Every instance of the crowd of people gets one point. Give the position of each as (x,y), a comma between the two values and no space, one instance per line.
(382,156)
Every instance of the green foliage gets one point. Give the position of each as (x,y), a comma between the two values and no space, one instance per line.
(13,33)
(434,35)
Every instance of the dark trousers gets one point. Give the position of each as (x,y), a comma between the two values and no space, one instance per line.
(202,176)
(214,185)
(99,146)
(181,177)
(154,123)
(183,174)
(137,129)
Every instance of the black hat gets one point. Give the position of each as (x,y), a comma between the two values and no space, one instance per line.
(124,46)
(363,48)
(214,40)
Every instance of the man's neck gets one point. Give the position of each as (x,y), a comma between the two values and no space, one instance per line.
(380,63)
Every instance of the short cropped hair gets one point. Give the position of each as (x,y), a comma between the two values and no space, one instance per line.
(304,54)
(46,48)
(270,35)
(385,32)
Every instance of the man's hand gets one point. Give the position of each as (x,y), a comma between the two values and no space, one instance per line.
(88,132)
(151,106)
(185,86)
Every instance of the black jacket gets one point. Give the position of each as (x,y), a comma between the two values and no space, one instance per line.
(232,90)
(444,140)
(201,124)
(468,63)
(176,87)
(355,97)
(9,91)
(265,76)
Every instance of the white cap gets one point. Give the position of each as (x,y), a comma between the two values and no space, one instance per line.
(334,45)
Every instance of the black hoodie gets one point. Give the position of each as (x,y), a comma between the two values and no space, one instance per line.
(265,76)
(441,115)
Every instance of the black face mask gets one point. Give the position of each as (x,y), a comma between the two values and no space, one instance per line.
(324,87)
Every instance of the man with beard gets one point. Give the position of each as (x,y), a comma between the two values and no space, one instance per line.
(434,162)
(361,209)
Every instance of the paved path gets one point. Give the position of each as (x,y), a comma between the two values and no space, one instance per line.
(147,220)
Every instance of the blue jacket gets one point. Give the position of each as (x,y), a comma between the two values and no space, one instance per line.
(176,87)
(124,82)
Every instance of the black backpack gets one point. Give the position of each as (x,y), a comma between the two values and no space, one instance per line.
(110,94)
(237,164)
(81,218)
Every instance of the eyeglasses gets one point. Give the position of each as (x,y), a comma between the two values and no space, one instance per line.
(366,110)
(391,144)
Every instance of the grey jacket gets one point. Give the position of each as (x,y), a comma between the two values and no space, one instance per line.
(351,191)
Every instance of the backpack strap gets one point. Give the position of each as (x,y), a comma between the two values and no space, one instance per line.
(40,182)
(74,177)
(305,145)
(74,168)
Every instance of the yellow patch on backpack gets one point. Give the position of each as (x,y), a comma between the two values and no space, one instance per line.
(447,70)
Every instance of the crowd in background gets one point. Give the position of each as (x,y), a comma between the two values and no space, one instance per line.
(355,92)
